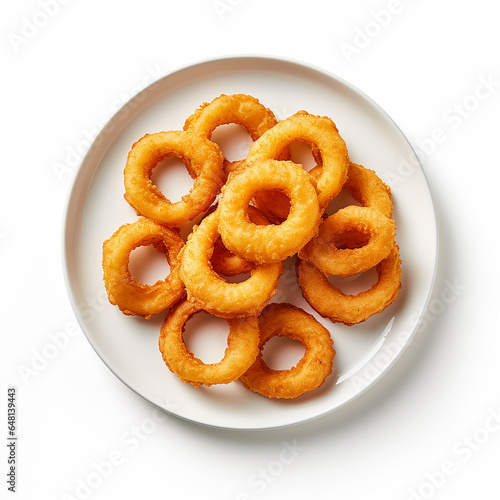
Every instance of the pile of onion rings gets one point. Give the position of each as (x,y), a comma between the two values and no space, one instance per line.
(245,218)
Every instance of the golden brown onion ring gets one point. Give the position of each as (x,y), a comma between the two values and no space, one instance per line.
(286,320)
(199,154)
(270,243)
(131,297)
(238,109)
(322,135)
(366,187)
(328,251)
(212,293)
(331,303)
(242,348)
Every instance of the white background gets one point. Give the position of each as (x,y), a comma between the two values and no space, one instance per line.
(429,429)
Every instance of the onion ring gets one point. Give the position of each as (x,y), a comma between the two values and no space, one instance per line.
(322,135)
(131,297)
(286,320)
(367,188)
(241,351)
(270,243)
(328,252)
(331,303)
(213,294)
(239,109)
(199,154)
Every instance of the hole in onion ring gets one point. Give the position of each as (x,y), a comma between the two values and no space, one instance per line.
(351,239)
(301,153)
(171,177)
(273,203)
(282,353)
(233,140)
(342,200)
(147,265)
(205,336)
(352,285)
(238,278)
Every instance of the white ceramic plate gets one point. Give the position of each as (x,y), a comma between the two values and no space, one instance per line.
(96,208)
